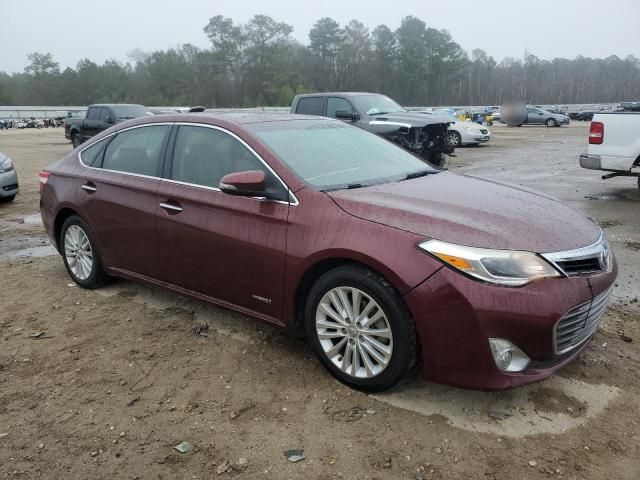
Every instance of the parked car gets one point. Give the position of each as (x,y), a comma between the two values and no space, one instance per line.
(585,115)
(614,145)
(630,106)
(381,115)
(8,179)
(98,118)
(312,224)
(539,116)
(462,133)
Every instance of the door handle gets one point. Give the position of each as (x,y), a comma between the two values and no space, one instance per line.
(89,187)
(171,207)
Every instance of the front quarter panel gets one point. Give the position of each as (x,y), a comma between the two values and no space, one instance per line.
(319,230)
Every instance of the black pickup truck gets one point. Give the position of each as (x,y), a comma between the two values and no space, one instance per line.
(424,135)
(99,117)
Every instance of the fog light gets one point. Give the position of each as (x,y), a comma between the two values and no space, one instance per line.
(507,356)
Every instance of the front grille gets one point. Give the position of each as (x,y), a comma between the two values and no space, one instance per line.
(581,261)
(579,323)
(577,267)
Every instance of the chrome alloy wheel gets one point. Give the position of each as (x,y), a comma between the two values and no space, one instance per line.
(77,250)
(354,332)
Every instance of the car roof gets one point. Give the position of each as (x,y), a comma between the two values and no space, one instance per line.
(346,94)
(116,105)
(237,118)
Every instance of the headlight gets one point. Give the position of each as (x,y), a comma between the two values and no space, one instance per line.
(6,165)
(503,267)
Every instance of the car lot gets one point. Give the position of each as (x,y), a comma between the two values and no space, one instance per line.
(79,368)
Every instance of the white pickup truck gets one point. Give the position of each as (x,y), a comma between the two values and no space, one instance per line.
(614,145)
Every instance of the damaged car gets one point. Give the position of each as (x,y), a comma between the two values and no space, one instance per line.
(425,136)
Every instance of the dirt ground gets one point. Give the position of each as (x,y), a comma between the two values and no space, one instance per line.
(104,383)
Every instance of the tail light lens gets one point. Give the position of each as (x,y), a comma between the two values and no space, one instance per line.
(43,177)
(596,133)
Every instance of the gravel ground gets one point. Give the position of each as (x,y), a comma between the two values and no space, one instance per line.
(104,383)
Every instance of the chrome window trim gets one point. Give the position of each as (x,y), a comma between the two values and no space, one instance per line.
(294,203)
(594,250)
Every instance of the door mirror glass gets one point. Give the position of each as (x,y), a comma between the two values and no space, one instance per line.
(109,119)
(249,183)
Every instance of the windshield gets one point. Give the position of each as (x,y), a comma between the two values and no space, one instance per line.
(131,111)
(376,104)
(331,155)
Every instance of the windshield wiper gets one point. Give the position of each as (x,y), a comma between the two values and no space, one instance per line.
(354,185)
(418,174)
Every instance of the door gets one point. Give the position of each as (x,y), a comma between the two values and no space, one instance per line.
(534,116)
(119,196)
(91,122)
(227,247)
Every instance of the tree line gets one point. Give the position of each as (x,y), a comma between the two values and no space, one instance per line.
(260,64)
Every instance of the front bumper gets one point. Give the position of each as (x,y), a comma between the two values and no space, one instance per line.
(8,184)
(455,317)
(474,137)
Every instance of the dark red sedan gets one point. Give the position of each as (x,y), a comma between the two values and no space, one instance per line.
(311,224)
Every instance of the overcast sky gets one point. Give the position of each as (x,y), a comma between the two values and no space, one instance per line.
(106,29)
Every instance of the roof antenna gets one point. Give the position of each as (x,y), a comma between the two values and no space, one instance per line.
(198,109)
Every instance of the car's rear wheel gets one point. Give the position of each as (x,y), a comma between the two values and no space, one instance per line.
(361,329)
(75,139)
(79,253)
(454,138)
(551,122)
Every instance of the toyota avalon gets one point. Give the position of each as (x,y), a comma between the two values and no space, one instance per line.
(386,263)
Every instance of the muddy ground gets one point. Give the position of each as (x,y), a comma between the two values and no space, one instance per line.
(103,384)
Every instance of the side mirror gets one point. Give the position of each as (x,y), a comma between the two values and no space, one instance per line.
(109,119)
(346,115)
(250,183)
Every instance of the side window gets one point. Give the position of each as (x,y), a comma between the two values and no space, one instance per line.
(104,113)
(91,156)
(138,150)
(203,156)
(311,106)
(335,103)
(94,113)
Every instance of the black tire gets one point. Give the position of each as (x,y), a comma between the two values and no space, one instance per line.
(454,138)
(75,139)
(404,354)
(97,276)
(550,122)
(7,199)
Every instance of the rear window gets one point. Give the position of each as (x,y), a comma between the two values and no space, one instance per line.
(311,106)
(131,111)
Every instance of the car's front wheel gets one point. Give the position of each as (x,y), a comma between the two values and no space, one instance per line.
(361,329)
(551,122)
(79,253)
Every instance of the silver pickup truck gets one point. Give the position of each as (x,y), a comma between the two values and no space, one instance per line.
(614,145)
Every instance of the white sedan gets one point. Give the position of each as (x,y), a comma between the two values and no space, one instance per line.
(463,133)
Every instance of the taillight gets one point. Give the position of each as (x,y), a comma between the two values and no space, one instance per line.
(43,177)
(596,133)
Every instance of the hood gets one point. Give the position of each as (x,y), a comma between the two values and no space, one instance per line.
(472,211)
(408,119)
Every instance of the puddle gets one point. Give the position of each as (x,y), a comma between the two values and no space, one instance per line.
(625,194)
(34,219)
(25,247)
(552,406)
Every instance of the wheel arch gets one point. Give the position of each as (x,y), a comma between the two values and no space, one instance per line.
(319,267)
(59,220)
